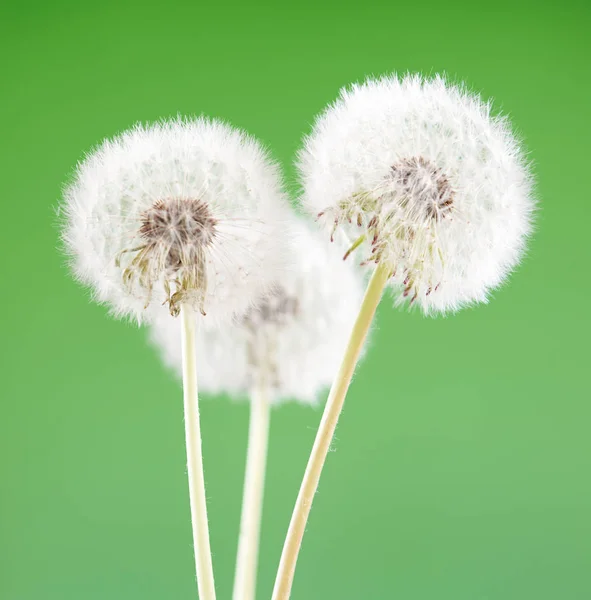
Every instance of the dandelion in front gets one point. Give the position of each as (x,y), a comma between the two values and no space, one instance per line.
(180,217)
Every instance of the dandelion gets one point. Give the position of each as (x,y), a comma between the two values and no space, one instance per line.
(433,193)
(420,176)
(180,217)
(285,347)
(175,212)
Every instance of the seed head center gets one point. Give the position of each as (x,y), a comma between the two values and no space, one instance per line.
(275,309)
(175,233)
(422,187)
(178,223)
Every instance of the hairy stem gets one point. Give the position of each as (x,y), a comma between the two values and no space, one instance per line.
(332,410)
(252,503)
(203,563)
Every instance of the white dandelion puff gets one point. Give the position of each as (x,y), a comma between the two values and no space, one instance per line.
(292,338)
(420,176)
(183,211)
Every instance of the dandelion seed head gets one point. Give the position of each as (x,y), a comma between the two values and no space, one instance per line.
(182,211)
(417,174)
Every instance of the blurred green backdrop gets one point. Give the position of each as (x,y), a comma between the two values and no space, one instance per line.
(463,456)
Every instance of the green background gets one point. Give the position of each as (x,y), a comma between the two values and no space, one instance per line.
(462,462)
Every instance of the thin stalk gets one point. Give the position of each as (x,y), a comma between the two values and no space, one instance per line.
(330,417)
(203,563)
(252,503)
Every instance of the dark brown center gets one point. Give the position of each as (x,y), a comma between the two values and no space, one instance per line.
(178,222)
(423,184)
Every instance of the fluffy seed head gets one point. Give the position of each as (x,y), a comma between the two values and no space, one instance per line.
(291,340)
(176,212)
(417,174)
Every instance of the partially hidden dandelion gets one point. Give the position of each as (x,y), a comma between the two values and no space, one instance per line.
(418,175)
(183,211)
(286,346)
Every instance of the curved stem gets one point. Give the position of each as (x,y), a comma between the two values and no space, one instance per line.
(203,563)
(252,503)
(332,410)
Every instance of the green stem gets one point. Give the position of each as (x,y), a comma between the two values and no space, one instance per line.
(324,436)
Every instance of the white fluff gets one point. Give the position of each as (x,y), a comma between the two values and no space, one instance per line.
(293,340)
(227,173)
(438,186)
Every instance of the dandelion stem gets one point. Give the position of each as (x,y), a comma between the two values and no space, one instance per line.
(252,502)
(332,410)
(203,563)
